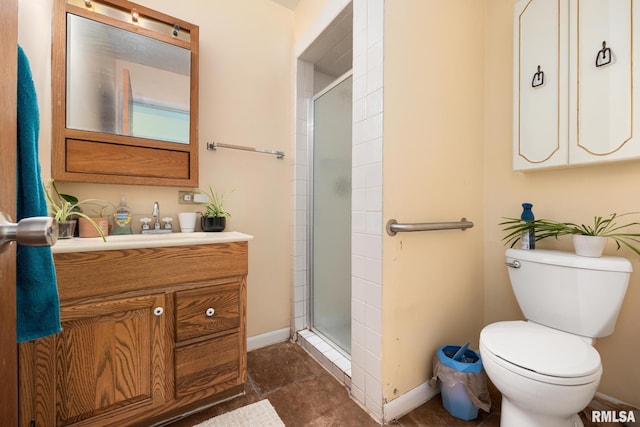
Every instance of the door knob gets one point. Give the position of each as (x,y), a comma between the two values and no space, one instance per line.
(35,231)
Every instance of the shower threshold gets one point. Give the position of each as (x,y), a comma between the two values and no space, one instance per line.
(334,361)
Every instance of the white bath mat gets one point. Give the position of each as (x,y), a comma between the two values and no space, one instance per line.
(259,414)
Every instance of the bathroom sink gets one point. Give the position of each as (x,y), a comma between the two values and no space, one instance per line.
(136,241)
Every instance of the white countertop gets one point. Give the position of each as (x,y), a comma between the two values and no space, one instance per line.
(138,241)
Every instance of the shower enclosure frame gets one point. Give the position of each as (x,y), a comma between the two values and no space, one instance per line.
(310,210)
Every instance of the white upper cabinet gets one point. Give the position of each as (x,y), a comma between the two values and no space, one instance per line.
(574,88)
(541,86)
(602,90)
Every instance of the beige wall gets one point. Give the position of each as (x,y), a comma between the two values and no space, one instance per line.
(245,99)
(433,171)
(306,13)
(448,112)
(575,194)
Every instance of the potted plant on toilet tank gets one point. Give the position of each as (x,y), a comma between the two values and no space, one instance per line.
(588,239)
(214,218)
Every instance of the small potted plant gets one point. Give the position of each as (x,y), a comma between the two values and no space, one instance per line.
(66,210)
(97,216)
(214,218)
(588,240)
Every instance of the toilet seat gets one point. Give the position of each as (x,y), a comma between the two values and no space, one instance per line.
(541,353)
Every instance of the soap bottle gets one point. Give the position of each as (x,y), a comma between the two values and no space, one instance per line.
(122,219)
(528,237)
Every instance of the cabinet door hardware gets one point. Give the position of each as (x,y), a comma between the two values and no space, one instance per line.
(603,57)
(538,78)
(34,231)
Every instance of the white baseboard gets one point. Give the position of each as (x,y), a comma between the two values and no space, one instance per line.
(424,392)
(408,402)
(612,399)
(269,338)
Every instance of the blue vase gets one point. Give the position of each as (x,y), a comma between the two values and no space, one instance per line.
(528,237)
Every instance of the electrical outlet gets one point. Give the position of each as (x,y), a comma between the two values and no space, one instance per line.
(185,197)
(192,198)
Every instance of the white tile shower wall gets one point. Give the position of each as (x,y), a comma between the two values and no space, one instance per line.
(367,227)
(366,298)
(303,75)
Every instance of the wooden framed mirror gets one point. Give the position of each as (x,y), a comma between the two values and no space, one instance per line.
(125,95)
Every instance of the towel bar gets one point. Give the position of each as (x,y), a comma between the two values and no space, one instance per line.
(215,145)
(393,227)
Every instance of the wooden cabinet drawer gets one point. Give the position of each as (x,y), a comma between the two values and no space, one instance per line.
(214,362)
(209,310)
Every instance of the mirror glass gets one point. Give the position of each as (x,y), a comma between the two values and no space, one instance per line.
(123,83)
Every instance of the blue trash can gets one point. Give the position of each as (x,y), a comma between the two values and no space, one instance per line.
(455,397)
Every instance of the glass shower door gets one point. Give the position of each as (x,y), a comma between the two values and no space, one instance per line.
(331,213)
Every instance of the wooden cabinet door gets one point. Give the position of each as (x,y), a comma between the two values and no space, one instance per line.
(540,125)
(603,86)
(113,359)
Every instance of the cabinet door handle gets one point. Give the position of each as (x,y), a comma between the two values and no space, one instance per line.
(603,57)
(538,78)
(210,312)
(158,311)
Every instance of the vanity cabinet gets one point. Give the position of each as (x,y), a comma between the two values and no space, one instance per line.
(148,334)
(575,88)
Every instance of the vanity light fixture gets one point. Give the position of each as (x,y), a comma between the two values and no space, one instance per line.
(135,16)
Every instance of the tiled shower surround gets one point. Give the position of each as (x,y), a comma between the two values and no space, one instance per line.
(367,227)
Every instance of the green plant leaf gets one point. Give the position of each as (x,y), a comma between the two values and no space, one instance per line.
(602,226)
(65,206)
(215,206)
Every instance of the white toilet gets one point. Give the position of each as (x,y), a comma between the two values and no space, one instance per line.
(546,367)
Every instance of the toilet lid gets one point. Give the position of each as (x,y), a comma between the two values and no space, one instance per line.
(540,349)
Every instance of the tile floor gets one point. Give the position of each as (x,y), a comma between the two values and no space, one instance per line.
(305,394)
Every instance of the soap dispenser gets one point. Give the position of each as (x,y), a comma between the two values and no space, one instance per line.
(528,236)
(122,222)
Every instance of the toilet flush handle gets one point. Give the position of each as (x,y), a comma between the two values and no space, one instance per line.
(514,264)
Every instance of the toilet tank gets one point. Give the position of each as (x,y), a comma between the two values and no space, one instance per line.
(572,293)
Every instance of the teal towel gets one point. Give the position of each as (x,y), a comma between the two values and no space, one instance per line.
(37,301)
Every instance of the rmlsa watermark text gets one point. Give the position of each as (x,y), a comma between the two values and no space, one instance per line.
(613,417)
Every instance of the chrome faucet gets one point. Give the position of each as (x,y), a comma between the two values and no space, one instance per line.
(156,216)
(157,222)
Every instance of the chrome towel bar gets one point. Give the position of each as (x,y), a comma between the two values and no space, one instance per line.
(215,145)
(393,227)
